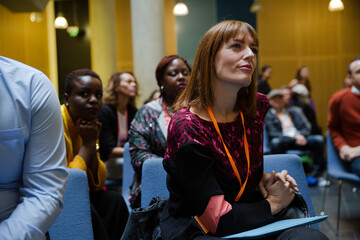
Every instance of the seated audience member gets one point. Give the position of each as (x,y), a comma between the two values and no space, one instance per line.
(33,171)
(347,83)
(214,157)
(344,119)
(287,130)
(116,115)
(287,96)
(263,82)
(148,131)
(302,77)
(83,100)
(301,99)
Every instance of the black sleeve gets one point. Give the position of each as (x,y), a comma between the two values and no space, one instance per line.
(273,125)
(299,123)
(131,113)
(107,139)
(192,181)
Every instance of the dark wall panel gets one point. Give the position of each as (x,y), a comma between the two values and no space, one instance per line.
(235,10)
(72,52)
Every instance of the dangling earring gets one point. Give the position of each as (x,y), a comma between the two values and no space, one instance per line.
(66,104)
(161,88)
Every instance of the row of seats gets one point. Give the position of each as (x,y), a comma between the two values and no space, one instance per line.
(74,222)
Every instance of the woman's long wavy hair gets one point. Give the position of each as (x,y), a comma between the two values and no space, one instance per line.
(110,91)
(200,89)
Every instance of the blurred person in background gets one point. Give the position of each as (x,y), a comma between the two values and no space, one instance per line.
(116,115)
(302,77)
(344,120)
(263,82)
(287,130)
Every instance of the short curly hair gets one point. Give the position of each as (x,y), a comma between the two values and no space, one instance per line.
(76,74)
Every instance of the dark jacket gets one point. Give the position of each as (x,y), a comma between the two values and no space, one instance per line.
(274,127)
(109,130)
(263,87)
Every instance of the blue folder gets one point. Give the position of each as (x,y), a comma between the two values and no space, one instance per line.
(277,226)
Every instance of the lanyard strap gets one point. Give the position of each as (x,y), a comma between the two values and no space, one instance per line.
(242,186)
(282,122)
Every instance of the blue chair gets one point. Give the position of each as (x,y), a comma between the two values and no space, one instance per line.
(128,175)
(154,177)
(74,222)
(336,169)
(153,181)
(266,144)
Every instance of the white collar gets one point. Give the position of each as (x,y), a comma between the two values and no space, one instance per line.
(273,111)
(355,90)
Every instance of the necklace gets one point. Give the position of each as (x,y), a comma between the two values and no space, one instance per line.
(168,112)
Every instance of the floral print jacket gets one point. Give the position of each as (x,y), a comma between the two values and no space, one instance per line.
(147,139)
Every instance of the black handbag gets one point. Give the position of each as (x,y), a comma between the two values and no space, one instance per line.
(144,223)
(296,209)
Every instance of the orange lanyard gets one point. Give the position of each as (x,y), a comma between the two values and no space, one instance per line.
(282,123)
(242,188)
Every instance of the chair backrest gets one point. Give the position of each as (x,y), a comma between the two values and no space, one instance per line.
(334,165)
(291,163)
(154,177)
(266,144)
(74,222)
(128,175)
(153,181)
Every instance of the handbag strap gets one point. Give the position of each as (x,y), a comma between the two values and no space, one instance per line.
(231,160)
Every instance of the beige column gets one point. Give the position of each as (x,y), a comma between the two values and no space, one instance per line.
(147,19)
(102,37)
(52,53)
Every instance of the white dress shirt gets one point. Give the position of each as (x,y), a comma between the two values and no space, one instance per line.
(33,170)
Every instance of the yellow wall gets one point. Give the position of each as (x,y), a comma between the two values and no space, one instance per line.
(303,32)
(169,25)
(24,41)
(123,36)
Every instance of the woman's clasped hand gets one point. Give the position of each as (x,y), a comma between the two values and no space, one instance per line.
(278,189)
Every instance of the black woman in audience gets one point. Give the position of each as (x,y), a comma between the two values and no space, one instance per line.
(148,131)
(214,156)
(116,115)
(83,100)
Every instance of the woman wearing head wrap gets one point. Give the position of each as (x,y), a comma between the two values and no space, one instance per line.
(148,130)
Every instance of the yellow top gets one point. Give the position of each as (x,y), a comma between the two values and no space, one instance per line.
(73,143)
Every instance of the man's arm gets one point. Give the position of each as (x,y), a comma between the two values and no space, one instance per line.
(44,167)
(334,122)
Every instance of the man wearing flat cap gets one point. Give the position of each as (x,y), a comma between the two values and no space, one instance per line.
(287,130)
